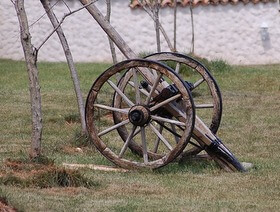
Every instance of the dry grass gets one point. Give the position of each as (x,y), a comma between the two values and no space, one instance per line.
(250,127)
(25,173)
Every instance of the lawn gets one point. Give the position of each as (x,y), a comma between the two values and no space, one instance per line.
(250,127)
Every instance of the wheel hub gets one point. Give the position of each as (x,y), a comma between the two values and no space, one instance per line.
(139,115)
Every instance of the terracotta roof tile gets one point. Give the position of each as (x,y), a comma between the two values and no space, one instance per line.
(183,3)
(166,3)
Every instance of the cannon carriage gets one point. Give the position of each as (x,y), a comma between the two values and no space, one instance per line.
(146,113)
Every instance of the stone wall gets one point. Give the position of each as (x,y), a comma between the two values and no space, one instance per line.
(229,32)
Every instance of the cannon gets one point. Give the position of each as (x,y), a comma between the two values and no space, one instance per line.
(146,113)
(140,113)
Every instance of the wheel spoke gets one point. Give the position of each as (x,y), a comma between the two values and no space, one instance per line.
(144,145)
(130,103)
(158,139)
(167,144)
(171,121)
(174,130)
(197,83)
(113,127)
(153,89)
(127,141)
(136,132)
(179,111)
(203,106)
(154,72)
(143,91)
(124,110)
(165,102)
(136,87)
(177,68)
(170,130)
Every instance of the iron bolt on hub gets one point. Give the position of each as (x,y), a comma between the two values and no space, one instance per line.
(139,115)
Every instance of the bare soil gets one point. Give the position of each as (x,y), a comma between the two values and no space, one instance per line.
(4,207)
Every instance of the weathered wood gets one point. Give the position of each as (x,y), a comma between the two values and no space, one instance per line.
(153,89)
(143,91)
(94,167)
(157,140)
(150,159)
(113,127)
(160,136)
(125,110)
(127,100)
(161,104)
(203,106)
(144,145)
(201,132)
(171,121)
(205,77)
(197,83)
(126,143)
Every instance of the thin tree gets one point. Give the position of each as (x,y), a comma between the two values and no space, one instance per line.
(112,46)
(54,21)
(155,11)
(192,22)
(152,9)
(30,54)
(175,25)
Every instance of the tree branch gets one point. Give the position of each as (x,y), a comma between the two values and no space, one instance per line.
(42,15)
(148,9)
(66,5)
(63,18)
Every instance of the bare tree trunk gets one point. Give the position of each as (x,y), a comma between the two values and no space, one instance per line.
(30,54)
(69,58)
(191,10)
(175,26)
(112,46)
(156,15)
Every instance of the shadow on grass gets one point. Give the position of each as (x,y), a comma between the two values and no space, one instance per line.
(189,166)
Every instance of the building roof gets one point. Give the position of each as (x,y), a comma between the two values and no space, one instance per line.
(183,3)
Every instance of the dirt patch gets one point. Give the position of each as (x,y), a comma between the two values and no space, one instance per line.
(5,207)
(30,174)
(23,169)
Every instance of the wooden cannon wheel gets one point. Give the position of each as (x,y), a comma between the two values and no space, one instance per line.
(205,91)
(208,99)
(128,110)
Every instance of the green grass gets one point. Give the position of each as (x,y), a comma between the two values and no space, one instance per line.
(250,127)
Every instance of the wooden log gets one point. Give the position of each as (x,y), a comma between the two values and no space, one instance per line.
(94,167)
